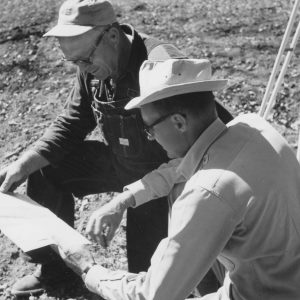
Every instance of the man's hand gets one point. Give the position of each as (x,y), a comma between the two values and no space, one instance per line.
(11,177)
(104,222)
(17,172)
(77,258)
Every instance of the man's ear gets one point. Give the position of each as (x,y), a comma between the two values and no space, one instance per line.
(113,35)
(180,122)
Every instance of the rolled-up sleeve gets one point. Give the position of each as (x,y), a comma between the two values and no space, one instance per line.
(201,225)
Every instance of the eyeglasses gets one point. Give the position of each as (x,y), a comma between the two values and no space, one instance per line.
(149,129)
(89,59)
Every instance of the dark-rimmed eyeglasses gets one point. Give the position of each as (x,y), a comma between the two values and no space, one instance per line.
(89,59)
(149,129)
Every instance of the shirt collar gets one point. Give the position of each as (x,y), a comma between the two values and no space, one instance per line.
(192,159)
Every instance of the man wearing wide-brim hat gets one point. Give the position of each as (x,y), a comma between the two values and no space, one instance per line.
(235,196)
(62,164)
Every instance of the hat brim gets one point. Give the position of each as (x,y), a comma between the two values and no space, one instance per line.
(68,30)
(178,89)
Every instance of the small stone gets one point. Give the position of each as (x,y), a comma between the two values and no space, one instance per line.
(15,254)
(123,260)
(12,123)
(3,287)
(140,7)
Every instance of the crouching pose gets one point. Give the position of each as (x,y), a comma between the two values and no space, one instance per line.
(234,190)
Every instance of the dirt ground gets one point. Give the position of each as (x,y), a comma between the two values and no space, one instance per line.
(240,37)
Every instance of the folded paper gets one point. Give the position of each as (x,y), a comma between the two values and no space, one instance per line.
(31,226)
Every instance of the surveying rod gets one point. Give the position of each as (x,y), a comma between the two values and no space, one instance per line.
(278,58)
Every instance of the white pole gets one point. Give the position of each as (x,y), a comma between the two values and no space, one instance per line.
(279,55)
(298,148)
(282,72)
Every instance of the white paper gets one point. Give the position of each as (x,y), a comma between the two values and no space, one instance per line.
(31,226)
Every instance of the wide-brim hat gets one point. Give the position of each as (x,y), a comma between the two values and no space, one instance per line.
(79,16)
(163,79)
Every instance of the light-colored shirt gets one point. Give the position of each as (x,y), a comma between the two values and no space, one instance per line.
(240,204)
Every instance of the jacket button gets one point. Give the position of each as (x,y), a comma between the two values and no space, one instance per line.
(205,159)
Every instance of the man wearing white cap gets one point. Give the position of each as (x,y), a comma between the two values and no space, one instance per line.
(61,164)
(235,192)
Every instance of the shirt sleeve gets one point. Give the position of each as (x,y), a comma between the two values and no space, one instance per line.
(201,225)
(71,126)
(157,183)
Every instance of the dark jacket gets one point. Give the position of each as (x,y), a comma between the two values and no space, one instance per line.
(123,130)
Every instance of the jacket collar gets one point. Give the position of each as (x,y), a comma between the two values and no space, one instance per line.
(138,52)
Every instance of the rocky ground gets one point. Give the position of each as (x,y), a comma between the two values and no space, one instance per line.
(240,37)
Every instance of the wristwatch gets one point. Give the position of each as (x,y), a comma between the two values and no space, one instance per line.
(85,271)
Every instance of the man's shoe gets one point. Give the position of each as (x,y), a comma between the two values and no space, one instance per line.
(29,285)
(45,276)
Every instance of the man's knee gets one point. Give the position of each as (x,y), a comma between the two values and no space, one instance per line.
(39,185)
(42,188)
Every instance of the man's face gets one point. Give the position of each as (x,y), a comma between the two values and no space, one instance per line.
(90,53)
(166,132)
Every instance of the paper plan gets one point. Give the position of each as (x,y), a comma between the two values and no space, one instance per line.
(31,226)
